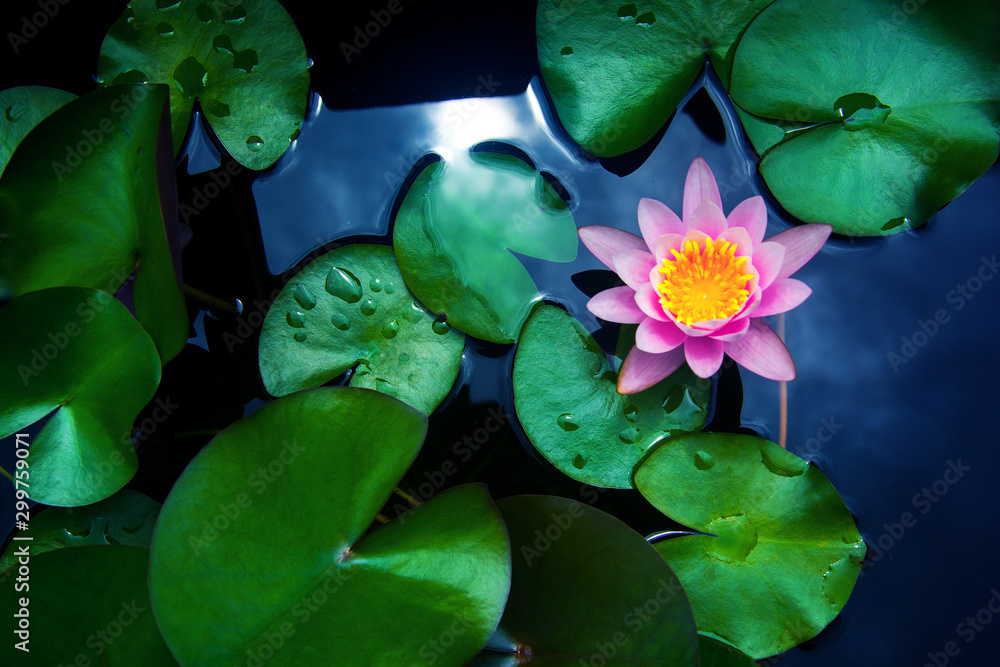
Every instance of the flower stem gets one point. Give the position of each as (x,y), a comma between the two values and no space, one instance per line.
(782,394)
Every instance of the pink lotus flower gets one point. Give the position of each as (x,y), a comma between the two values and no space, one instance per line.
(696,287)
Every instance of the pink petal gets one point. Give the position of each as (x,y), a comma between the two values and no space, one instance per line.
(648,299)
(633,266)
(751,215)
(707,218)
(642,370)
(699,186)
(783,295)
(732,331)
(801,244)
(605,242)
(666,243)
(767,259)
(655,220)
(739,236)
(616,305)
(760,351)
(658,337)
(704,355)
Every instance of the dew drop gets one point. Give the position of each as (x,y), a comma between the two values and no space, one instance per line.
(368,307)
(579,462)
(631,413)
(413,314)
(566,422)
(645,19)
(703,460)
(629,436)
(440,326)
(627,11)
(167,4)
(390,330)
(341,283)
(385,387)
(304,297)
(300,336)
(403,357)
(782,462)
(234,14)
(390,288)
(296,319)
(340,321)
(375,285)
(164,29)
(255,143)
(309,63)
(204,13)
(566,51)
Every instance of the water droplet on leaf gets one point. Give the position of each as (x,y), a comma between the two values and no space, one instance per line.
(300,336)
(631,413)
(296,319)
(375,285)
(413,314)
(304,297)
(579,462)
(566,422)
(385,387)
(368,307)
(703,460)
(164,29)
(629,436)
(341,283)
(440,326)
(390,330)
(255,143)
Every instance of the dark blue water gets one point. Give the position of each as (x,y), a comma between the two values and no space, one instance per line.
(908,440)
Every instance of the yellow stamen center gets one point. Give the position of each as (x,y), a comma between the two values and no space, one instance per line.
(704,283)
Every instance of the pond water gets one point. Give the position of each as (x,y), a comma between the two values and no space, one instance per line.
(896,390)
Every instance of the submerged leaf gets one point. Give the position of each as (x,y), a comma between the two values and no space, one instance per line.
(456,232)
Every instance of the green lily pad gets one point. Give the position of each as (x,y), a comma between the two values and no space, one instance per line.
(456,231)
(567,401)
(588,589)
(266,528)
(87,606)
(78,357)
(713,653)
(351,308)
(125,518)
(84,200)
(245,62)
(22,108)
(616,71)
(781,553)
(906,107)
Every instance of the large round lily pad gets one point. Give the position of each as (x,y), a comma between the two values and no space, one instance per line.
(22,108)
(245,61)
(85,201)
(588,589)
(617,70)
(457,229)
(76,356)
(781,551)
(86,606)
(567,402)
(351,308)
(905,106)
(262,543)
